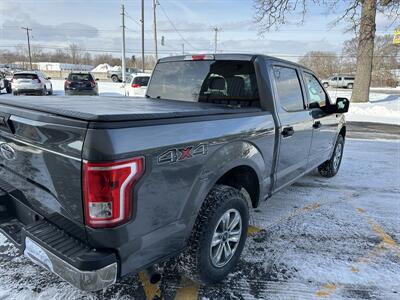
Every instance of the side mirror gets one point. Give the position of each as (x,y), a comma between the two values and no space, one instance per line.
(342,105)
(97,79)
(48,78)
(66,78)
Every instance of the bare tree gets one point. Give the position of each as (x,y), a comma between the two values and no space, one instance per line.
(273,13)
(324,64)
(75,53)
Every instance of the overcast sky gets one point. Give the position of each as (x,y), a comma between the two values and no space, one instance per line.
(94,25)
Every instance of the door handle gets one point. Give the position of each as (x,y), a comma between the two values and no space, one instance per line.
(317,124)
(287,131)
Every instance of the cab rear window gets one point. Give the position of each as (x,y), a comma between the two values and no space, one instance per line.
(228,82)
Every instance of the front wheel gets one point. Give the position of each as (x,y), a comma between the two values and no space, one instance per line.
(8,89)
(326,85)
(350,86)
(331,167)
(114,78)
(218,237)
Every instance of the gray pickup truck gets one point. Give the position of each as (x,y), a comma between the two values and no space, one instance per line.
(95,189)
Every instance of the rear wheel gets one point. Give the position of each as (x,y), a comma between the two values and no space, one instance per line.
(114,78)
(331,167)
(15,93)
(350,86)
(218,237)
(8,89)
(326,85)
(44,91)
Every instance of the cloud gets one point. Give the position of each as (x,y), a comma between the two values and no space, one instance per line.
(11,30)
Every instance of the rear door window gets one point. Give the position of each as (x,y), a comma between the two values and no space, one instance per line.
(289,88)
(141,80)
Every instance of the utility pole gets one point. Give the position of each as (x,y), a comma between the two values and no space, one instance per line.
(155,27)
(29,44)
(183,49)
(142,20)
(123,43)
(216,29)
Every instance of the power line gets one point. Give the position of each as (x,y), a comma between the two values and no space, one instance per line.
(29,44)
(174,27)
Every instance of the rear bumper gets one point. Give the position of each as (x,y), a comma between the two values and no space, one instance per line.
(29,91)
(81,92)
(50,247)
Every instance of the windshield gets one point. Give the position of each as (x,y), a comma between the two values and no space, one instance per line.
(80,77)
(205,81)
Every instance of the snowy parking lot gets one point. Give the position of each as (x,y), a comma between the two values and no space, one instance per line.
(335,238)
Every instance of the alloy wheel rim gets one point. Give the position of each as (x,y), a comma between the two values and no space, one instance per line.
(226,238)
(337,156)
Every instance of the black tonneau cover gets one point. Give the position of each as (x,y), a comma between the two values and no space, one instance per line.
(106,109)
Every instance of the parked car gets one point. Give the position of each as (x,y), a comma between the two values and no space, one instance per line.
(123,185)
(31,82)
(116,75)
(341,81)
(5,84)
(81,83)
(138,85)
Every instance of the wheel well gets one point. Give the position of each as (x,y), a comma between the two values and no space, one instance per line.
(343,131)
(243,177)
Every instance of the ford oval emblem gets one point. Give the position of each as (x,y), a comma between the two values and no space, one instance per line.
(7,151)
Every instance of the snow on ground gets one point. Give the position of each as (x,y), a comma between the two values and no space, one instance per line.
(334,238)
(383,106)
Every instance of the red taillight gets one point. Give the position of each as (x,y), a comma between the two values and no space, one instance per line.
(199,57)
(107,191)
(135,85)
(92,83)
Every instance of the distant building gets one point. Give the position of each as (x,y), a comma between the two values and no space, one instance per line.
(53,66)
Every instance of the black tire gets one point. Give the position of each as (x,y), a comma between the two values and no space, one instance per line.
(331,167)
(196,261)
(44,92)
(15,93)
(326,85)
(8,89)
(51,91)
(114,78)
(350,86)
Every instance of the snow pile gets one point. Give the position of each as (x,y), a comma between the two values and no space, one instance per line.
(103,68)
(383,106)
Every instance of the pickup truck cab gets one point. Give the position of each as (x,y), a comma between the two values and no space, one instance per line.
(94,189)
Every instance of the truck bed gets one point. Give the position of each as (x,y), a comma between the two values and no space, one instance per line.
(108,109)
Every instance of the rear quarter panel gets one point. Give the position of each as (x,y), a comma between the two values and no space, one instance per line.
(168,197)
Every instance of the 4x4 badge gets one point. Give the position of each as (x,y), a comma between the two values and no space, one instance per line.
(179,154)
(7,151)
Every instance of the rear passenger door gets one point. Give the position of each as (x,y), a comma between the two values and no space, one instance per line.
(295,124)
(325,126)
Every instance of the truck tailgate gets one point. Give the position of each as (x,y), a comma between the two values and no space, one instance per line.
(40,165)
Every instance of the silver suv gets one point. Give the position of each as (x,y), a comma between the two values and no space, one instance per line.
(339,81)
(31,82)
